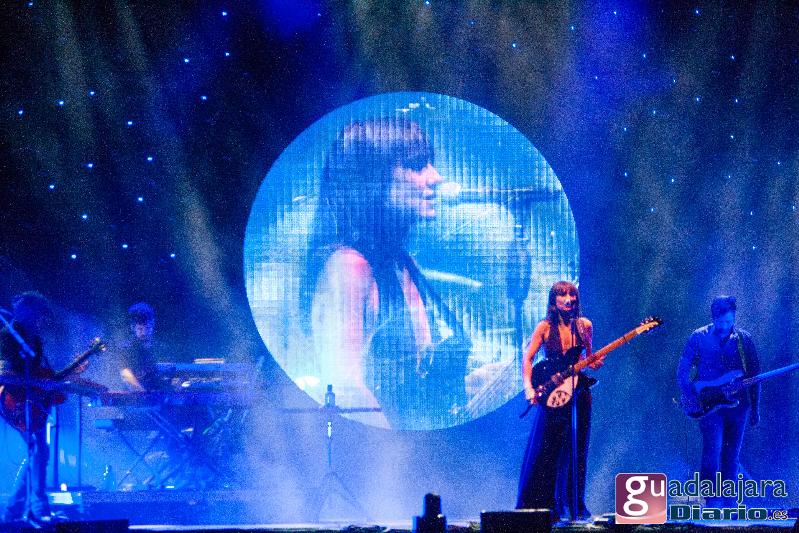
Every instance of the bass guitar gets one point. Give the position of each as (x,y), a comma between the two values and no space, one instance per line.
(709,396)
(44,390)
(552,378)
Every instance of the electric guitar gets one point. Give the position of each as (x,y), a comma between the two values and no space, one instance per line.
(44,389)
(552,378)
(709,396)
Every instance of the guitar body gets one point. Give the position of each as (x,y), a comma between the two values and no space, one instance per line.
(12,403)
(13,397)
(711,395)
(554,388)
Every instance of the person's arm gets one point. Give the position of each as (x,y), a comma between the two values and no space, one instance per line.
(345,295)
(753,366)
(690,355)
(129,377)
(539,334)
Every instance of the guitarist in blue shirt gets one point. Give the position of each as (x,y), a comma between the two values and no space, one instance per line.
(712,351)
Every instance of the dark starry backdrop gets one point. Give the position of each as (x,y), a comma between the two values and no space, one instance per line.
(136,134)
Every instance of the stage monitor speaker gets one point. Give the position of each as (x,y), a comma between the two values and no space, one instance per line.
(519,521)
(94,526)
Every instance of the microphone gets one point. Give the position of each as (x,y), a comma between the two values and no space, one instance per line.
(454,192)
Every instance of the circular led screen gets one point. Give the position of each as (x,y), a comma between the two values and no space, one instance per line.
(400,250)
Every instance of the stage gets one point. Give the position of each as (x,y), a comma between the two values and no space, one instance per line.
(326,255)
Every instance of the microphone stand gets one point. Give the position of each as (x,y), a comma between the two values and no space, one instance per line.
(519,270)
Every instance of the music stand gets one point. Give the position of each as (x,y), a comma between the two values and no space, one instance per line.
(331,482)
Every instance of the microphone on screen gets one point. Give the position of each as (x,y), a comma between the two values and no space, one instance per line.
(454,192)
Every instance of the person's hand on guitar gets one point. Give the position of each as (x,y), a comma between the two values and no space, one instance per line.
(529,395)
(596,365)
(80,369)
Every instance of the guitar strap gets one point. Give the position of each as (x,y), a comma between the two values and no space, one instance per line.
(741,353)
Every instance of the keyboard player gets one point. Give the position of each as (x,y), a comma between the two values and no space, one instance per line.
(140,354)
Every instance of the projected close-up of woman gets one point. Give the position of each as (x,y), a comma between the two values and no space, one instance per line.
(398,272)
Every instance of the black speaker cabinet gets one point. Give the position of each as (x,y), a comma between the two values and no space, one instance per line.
(519,521)
(96,526)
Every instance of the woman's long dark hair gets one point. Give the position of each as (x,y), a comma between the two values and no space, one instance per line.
(560,288)
(352,207)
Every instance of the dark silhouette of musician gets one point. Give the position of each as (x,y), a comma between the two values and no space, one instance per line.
(375,321)
(547,459)
(31,312)
(710,352)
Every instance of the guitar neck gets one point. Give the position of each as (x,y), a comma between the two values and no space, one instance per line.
(748,382)
(61,374)
(605,350)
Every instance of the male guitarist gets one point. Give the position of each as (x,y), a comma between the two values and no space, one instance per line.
(30,313)
(547,458)
(711,351)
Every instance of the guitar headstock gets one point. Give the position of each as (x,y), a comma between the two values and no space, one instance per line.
(97,345)
(648,324)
